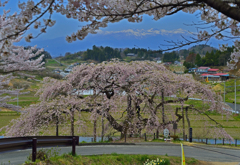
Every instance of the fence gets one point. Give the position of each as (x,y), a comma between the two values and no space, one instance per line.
(18,143)
(153,136)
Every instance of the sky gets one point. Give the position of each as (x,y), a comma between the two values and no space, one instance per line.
(148,34)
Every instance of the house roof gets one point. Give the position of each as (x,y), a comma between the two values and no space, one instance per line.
(203,67)
(205,74)
(213,70)
(221,74)
(209,76)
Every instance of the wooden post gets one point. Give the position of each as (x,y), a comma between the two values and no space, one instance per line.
(125,137)
(223,141)
(163,114)
(190,134)
(34,149)
(95,130)
(206,140)
(102,128)
(215,141)
(183,123)
(236,142)
(73,146)
(57,126)
(145,136)
(72,122)
(154,136)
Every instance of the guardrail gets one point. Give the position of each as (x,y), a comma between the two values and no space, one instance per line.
(20,143)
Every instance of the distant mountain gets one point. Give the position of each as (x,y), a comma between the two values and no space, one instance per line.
(198,49)
(202,49)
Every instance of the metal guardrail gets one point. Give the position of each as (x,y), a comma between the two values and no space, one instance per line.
(21,143)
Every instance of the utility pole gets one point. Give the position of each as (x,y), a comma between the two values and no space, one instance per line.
(235,96)
(17,96)
(224,90)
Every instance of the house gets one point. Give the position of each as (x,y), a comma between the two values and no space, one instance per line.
(210,77)
(167,63)
(213,71)
(223,76)
(177,63)
(202,70)
(215,77)
(192,70)
(131,54)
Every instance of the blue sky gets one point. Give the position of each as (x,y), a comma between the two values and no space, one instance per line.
(149,34)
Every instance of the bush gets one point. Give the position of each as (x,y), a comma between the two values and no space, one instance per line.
(20,85)
(45,154)
(157,162)
(174,137)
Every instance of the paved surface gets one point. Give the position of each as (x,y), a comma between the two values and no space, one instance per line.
(233,106)
(199,152)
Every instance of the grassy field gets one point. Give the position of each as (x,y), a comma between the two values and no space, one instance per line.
(118,159)
(52,64)
(230,90)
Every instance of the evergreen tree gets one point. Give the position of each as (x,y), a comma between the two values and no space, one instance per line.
(198,60)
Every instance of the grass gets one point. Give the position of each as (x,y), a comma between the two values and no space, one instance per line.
(52,64)
(116,159)
(6,117)
(230,92)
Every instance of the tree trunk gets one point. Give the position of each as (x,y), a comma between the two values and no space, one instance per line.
(102,128)
(183,122)
(57,126)
(72,122)
(188,121)
(95,130)
(163,114)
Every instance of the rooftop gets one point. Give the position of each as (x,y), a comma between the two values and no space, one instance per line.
(213,70)
(203,67)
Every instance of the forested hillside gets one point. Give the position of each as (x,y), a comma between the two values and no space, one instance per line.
(213,58)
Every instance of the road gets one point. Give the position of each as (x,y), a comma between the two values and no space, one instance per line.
(233,106)
(202,152)
(59,62)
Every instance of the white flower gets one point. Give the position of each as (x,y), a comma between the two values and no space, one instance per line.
(28,37)
(68,39)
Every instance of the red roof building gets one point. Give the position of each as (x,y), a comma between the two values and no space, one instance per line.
(213,71)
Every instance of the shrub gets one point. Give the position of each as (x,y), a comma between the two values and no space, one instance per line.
(45,154)
(157,162)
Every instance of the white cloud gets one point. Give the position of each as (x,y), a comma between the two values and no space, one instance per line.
(143,32)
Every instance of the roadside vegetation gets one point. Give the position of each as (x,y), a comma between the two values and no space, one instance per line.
(114,158)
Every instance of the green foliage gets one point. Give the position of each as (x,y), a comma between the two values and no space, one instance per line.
(198,60)
(70,56)
(117,159)
(157,162)
(188,65)
(100,54)
(170,57)
(144,53)
(45,154)
(214,58)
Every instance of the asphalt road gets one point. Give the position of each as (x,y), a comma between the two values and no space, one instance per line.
(233,106)
(199,152)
